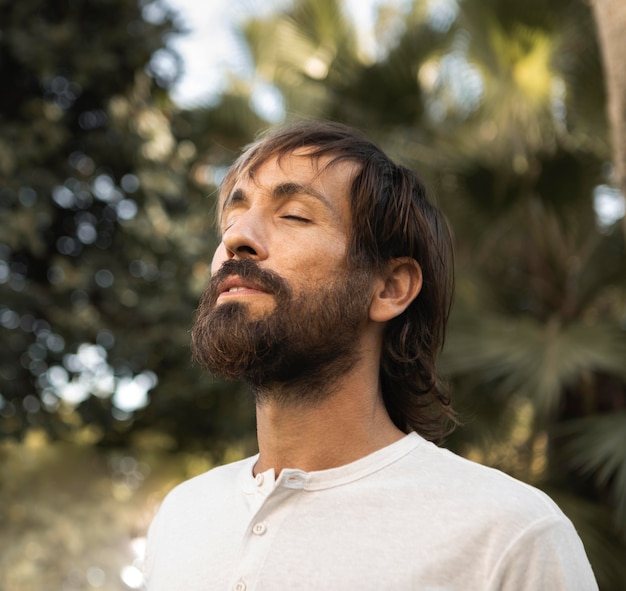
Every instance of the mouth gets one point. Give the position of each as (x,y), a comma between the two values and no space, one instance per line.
(235,286)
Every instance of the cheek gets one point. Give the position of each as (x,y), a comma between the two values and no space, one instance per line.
(334,253)
(323,264)
(219,258)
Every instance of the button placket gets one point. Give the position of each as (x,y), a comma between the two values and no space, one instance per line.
(264,524)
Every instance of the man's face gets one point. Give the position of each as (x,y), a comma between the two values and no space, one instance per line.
(282,305)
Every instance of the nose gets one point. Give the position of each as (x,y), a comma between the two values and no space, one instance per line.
(246,238)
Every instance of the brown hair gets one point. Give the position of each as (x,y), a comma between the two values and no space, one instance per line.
(391,217)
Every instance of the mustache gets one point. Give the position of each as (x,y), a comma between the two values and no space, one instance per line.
(248,270)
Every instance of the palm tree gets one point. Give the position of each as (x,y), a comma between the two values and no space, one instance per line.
(500,105)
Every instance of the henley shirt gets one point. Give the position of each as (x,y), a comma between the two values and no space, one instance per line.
(410,516)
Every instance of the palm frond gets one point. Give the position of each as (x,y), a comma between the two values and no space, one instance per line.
(525,357)
(596,446)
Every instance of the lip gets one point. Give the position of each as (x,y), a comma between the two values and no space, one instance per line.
(235,286)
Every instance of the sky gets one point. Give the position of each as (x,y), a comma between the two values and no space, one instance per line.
(211,48)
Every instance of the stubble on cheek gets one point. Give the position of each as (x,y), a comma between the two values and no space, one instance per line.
(299,349)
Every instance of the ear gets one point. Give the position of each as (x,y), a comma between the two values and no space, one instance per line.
(395,289)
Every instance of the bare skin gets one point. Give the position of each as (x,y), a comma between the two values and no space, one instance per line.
(302,235)
(350,424)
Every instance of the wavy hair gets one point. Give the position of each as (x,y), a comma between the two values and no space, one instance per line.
(391,217)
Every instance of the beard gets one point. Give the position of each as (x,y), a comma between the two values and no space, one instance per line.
(296,353)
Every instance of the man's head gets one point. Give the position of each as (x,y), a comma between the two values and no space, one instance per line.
(383,217)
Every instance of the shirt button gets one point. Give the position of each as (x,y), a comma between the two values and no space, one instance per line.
(259,529)
(240,586)
(259,479)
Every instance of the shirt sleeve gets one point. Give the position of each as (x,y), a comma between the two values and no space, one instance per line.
(547,555)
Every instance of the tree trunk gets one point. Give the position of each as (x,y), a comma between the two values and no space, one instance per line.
(610,18)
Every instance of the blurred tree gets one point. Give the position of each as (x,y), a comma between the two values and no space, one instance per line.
(105,237)
(501,106)
(104,241)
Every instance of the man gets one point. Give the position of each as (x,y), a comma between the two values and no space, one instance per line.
(329,296)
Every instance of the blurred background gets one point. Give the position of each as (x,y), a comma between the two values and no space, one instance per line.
(118,119)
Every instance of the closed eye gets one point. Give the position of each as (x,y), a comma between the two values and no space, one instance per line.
(295,218)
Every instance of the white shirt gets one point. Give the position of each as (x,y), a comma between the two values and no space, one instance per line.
(409,516)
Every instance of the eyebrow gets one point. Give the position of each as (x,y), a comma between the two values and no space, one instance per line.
(280,191)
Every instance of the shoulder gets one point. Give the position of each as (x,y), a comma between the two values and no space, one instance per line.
(204,499)
(216,482)
(199,509)
(518,525)
(478,488)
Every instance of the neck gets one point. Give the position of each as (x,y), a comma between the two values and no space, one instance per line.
(340,428)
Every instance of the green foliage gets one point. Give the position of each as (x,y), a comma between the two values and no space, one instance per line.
(105,236)
(501,106)
(107,190)
(597,447)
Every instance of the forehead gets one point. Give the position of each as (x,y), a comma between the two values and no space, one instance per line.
(329,174)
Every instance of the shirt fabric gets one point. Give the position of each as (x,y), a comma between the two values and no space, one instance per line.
(410,516)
